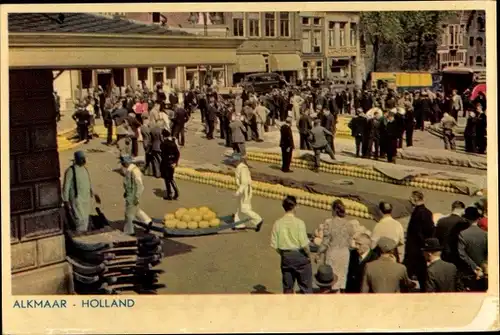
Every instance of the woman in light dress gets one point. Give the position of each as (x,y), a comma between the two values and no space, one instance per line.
(335,237)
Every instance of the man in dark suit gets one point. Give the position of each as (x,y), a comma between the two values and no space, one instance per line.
(358,126)
(472,250)
(445,225)
(329,122)
(286,145)
(304,125)
(420,227)
(441,275)
(170,156)
(179,122)
(359,257)
(211,116)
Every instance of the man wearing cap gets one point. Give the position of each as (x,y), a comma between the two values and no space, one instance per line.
(286,145)
(472,249)
(289,239)
(77,192)
(133,187)
(386,275)
(244,195)
(390,228)
(441,275)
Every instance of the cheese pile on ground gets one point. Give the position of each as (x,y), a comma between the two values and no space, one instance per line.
(192,218)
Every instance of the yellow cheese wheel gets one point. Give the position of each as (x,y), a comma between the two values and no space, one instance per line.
(180,212)
(214,223)
(171,224)
(203,209)
(203,224)
(181,225)
(192,225)
(193,211)
(168,217)
(186,218)
(197,218)
(209,216)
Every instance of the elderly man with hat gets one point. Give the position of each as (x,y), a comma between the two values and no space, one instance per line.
(472,249)
(286,145)
(325,279)
(386,275)
(243,180)
(77,192)
(441,275)
(134,188)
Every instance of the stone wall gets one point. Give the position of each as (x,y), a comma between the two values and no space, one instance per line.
(37,243)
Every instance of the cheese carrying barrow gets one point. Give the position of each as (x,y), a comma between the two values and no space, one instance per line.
(226,222)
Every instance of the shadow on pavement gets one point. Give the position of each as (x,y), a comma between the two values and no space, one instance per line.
(159,192)
(260,289)
(170,247)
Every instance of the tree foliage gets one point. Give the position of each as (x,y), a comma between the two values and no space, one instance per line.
(405,30)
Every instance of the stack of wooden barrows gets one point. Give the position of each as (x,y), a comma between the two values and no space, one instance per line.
(107,261)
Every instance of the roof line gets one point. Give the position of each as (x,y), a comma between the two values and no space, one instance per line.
(121,35)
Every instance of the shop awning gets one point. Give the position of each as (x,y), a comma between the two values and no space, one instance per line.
(250,63)
(285,62)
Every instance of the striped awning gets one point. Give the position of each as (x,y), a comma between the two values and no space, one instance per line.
(285,62)
(250,63)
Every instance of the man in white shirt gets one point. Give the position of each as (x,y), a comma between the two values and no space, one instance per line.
(244,195)
(133,187)
(390,228)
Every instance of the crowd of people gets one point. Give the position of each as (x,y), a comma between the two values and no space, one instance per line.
(450,255)
(445,256)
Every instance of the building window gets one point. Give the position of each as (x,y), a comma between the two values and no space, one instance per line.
(451,35)
(316,48)
(460,33)
(479,61)
(171,72)
(444,37)
(331,34)
(156,18)
(471,41)
(317,21)
(353,34)
(319,70)
(479,42)
(305,21)
(284,24)
(305,70)
(471,61)
(158,75)
(238,27)
(269,24)
(342,34)
(480,24)
(254,24)
(306,42)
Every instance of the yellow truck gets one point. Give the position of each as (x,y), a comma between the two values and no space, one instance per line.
(400,80)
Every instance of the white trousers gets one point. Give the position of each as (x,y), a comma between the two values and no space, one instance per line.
(134,212)
(245,212)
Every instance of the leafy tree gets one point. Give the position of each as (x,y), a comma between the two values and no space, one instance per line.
(421,27)
(381,28)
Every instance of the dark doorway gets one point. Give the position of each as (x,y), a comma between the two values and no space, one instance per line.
(104,80)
